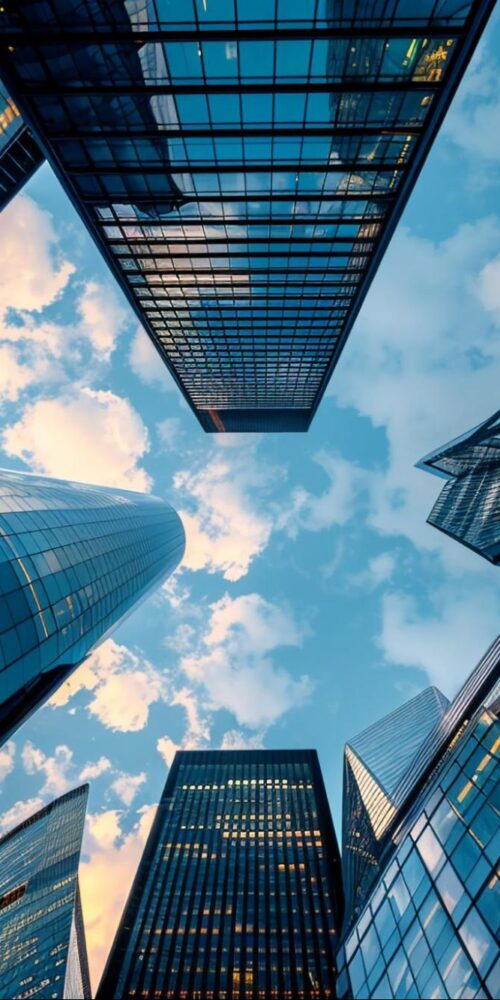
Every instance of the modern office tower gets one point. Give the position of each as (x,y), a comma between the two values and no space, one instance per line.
(238,894)
(428,925)
(74,561)
(468,507)
(242,166)
(375,761)
(20,154)
(42,939)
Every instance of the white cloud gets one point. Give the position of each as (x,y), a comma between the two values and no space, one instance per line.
(379,570)
(336,505)
(55,768)
(224,529)
(446,642)
(235,739)
(14,374)
(94,769)
(106,874)
(169,433)
(7,756)
(126,786)
(473,121)
(489,286)
(176,592)
(20,811)
(88,435)
(147,363)
(102,317)
(33,276)
(197,731)
(424,369)
(123,687)
(233,664)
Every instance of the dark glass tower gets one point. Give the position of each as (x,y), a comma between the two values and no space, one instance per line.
(468,507)
(42,940)
(429,923)
(74,561)
(238,894)
(242,166)
(375,761)
(20,154)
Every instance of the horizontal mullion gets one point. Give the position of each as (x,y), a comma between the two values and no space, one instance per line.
(241,255)
(227,199)
(249,132)
(199,241)
(313,166)
(347,86)
(247,220)
(253,271)
(29,33)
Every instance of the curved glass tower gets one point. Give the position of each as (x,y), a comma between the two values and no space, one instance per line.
(74,561)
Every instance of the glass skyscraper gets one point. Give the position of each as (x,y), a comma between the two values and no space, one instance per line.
(42,941)
(20,154)
(468,507)
(242,166)
(429,927)
(238,894)
(74,561)
(375,761)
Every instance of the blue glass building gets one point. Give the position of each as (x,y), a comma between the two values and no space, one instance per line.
(242,167)
(20,154)
(429,926)
(238,894)
(74,561)
(375,761)
(42,940)
(468,507)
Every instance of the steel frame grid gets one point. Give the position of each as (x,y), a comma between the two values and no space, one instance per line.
(105,193)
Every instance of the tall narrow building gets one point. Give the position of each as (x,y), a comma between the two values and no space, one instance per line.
(74,561)
(42,940)
(242,167)
(238,894)
(375,761)
(20,154)
(468,507)
(428,923)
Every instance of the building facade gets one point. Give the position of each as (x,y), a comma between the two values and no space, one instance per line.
(468,507)
(20,154)
(238,894)
(42,941)
(242,167)
(429,926)
(375,761)
(74,561)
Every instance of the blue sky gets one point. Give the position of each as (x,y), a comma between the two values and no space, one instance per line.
(313,598)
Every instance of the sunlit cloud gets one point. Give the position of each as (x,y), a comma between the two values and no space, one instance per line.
(54,768)
(123,686)
(86,435)
(103,317)
(7,758)
(108,867)
(94,769)
(226,525)
(126,786)
(33,272)
(232,661)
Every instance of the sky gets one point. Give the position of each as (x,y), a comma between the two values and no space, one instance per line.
(313,597)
